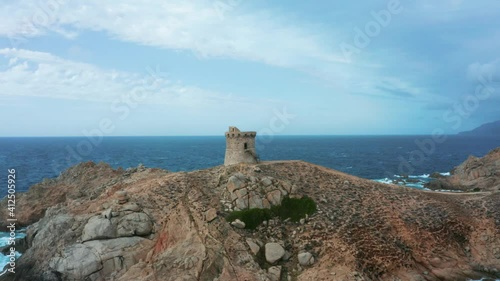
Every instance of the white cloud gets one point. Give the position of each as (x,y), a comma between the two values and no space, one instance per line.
(183,25)
(201,27)
(39,74)
(486,76)
(489,72)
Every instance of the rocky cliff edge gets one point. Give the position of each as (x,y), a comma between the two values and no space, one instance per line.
(97,223)
(473,175)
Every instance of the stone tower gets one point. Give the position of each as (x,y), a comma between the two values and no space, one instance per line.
(240,147)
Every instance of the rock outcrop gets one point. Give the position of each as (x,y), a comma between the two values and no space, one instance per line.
(96,223)
(248,192)
(473,175)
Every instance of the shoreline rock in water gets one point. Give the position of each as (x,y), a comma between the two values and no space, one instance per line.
(473,175)
(97,223)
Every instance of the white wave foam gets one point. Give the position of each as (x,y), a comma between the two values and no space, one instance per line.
(418,185)
(423,176)
(415,185)
(4,241)
(4,237)
(385,180)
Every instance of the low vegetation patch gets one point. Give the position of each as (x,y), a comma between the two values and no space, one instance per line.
(251,217)
(292,208)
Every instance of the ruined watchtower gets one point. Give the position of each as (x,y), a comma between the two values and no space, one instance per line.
(240,147)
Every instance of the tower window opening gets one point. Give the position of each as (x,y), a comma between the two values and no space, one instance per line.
(246,146)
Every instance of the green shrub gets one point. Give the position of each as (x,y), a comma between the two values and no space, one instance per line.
(251,217)
(292,208)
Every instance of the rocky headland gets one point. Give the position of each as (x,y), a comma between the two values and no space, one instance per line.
(97,223)
(473,175)
(488,129)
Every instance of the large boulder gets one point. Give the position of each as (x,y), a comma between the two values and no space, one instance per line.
(98,228)
(96,259)
(235,182)
(115,254)
(76,262)
(134,224)
(274,252)
(274,197)
(255,201)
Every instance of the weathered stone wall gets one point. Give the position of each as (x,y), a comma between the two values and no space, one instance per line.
(240,147)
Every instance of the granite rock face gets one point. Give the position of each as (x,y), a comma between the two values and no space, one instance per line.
(76,262)
(249,192)
(81,246)
(475,174)
(96,223)
(98,228)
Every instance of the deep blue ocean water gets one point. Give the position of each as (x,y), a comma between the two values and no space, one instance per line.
(371,157)
(380,158)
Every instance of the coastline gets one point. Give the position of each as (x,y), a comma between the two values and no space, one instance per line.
(89,186)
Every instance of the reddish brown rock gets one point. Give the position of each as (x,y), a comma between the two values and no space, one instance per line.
(473,175)
(363,230)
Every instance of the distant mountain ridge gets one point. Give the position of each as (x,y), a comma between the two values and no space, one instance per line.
(488,129)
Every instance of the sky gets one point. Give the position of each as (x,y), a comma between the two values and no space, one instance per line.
(174,67)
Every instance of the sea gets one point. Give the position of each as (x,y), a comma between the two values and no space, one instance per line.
(408,160)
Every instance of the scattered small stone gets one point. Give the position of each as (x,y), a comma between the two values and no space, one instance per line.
(274,273)
(122,197)
(238,224)
(266,181)
(134,207)
(253,246)
(108,214)
(286,256)
(274,252)
(305,259)
(211,214)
